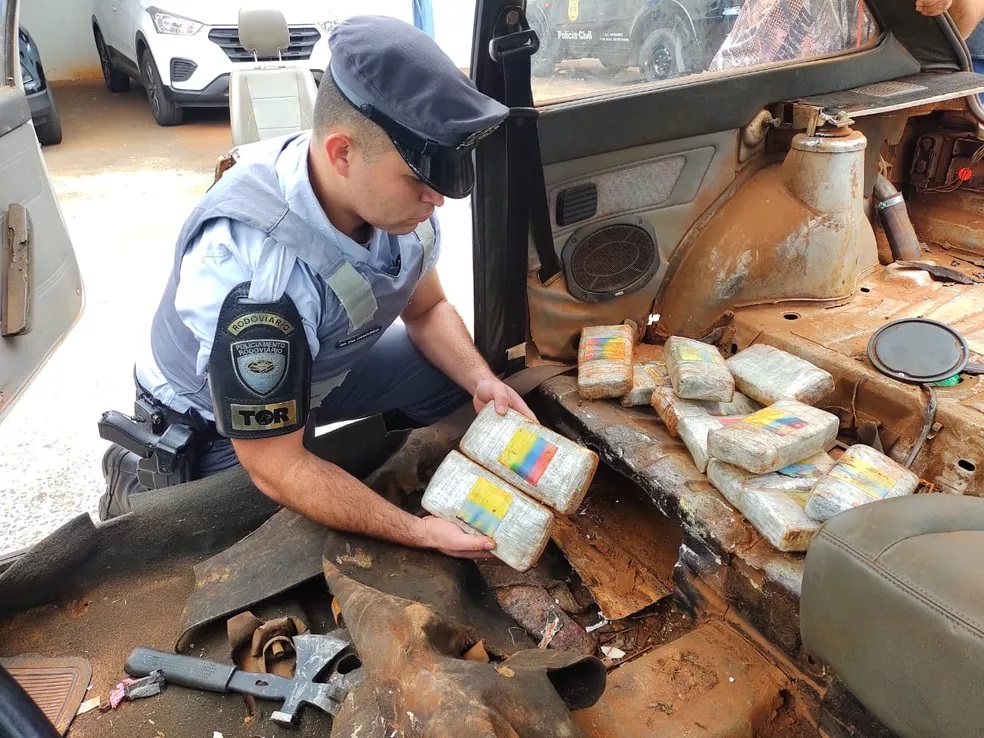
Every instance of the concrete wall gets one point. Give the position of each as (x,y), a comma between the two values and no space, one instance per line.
(63,32)
(62,29)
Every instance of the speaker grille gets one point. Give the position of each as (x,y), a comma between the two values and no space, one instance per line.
(610,260)
(577,203)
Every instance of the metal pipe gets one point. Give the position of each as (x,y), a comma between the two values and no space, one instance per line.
(894,216)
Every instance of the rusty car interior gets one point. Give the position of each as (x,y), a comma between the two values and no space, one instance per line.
(760,194)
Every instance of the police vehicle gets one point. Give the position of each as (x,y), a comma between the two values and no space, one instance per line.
(663,38)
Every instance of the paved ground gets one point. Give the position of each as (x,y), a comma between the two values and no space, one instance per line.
(125,186)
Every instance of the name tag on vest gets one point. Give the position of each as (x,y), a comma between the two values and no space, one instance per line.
(355,339)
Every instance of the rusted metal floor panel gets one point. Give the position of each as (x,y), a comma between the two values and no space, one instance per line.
(709,683)
(634,442)
(836,339)
(622,547)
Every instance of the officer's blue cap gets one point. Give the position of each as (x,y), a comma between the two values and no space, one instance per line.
(399,78)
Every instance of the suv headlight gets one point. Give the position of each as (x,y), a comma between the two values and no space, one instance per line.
(30,84)
(173,24)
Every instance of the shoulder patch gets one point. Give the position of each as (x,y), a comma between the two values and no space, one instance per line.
(238,325)
(261,364)
(259,372)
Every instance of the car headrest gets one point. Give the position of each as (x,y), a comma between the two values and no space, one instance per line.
(263,31)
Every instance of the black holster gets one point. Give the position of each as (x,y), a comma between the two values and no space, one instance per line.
(170,445)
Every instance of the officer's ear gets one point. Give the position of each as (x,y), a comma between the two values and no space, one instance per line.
(338,148)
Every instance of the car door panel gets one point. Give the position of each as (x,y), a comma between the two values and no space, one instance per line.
(54,290)
(109,22)
(127,22)
(576,133)
(667,185)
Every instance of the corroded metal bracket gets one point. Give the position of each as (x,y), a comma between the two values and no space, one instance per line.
(801,116)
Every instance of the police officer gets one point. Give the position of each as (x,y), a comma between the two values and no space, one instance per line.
(292,270)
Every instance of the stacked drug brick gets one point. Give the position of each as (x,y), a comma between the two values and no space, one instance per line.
(750,423)
(511,477)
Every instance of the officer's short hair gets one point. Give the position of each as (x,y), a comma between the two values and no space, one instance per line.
(332,110)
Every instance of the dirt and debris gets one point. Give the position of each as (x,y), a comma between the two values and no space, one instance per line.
(89,705)
(939,273)
(477,653)
(414,675)
(644,631)
(538,613)
(549,632)
(359,558)
(710,678)
(623,548)
(77,608)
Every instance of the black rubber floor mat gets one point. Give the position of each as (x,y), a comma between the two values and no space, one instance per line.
(58,686)
(282,553)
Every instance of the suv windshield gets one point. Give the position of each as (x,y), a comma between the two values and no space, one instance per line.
(594,46)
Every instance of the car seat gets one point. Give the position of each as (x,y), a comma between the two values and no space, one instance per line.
(893,600)
(272,98)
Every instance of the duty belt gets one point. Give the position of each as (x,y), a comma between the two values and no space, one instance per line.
(169,444)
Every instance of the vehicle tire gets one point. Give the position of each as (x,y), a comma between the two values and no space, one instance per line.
(115,80)
(49,133)
(670,50)
(165,112)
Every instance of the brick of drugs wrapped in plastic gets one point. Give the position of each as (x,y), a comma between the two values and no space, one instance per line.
(861,475)
(697,370)
(768,374)
(646,378)
(466,494)
(545,465)
(671,409)
(694,430)
(604,361)
(799,477)
(774,437)
(777,514)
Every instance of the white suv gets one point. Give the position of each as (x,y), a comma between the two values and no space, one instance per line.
(182,52)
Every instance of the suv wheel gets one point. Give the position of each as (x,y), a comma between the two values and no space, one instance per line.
(165,112)
(49,133)
(668,51)
(115,80)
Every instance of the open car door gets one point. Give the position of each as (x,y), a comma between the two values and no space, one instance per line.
(40,285)
(700,195)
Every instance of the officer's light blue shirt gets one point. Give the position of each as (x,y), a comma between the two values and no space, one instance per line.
(228,253)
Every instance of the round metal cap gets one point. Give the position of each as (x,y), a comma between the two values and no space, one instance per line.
(918,350)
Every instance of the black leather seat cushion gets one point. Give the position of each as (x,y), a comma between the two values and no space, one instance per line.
(893,600)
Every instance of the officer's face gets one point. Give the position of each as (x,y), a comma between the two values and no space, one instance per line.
(387,194)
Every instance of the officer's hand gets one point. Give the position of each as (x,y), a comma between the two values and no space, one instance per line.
(933,7)
(451,540)
(504,397)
